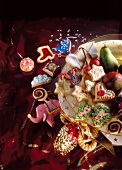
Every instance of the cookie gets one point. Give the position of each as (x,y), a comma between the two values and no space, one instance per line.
(89,85)
(100,115)
(40,94)
(52,68)
(27,64)
(64,47)
(62,88)
(96,73)
(40,80)
(45,54)
(103,94)
(83,112)
(114,127)
(79,93)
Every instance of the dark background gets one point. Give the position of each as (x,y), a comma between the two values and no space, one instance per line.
(60,8)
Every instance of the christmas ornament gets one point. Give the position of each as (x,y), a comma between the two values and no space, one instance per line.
(66,139)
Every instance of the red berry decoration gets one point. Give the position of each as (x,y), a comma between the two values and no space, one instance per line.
(86,69)
(94,61)
(101,93)
(120,105)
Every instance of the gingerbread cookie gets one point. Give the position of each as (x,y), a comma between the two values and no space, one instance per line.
(52,68)
(40,80)
(103,94)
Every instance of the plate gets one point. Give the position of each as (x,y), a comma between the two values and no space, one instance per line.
(69,103)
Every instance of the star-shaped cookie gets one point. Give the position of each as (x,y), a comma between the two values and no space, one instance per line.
(45,54)
(80,93)
(89,84)
(62,88)
(96,73)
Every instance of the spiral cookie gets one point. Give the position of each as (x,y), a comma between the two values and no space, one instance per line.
(114,127)
(40,94)
(88,144)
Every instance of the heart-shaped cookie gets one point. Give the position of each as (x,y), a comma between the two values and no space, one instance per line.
(103,94)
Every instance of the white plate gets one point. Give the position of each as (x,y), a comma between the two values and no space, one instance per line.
(68,107)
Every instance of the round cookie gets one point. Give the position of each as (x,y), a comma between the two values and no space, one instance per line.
(27,65)
(114,127)
(40,94)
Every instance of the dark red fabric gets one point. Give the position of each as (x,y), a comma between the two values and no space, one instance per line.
(17,133)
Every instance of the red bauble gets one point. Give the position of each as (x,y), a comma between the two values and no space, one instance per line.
(86,69)
(94,61)
(120,105)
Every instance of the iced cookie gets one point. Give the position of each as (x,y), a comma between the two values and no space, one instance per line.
(27,65)
(89,85)
(103,94)
(100,115)
(84,111)
(52,68)
(80,93)
(96,73)
(62,88)
(45,54)
(40,80)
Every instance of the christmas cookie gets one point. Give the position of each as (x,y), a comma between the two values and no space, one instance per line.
(84,111)
(114,127)
(40,80)
(96,73)
(62,88)
(40,94)
(52,68)
(45,54)
(100,115)
(80,93)
(27,64)
(103,94)
(89,85)
(64,47)
(72,76)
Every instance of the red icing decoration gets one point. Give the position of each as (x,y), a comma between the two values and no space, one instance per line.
(46,53)
(101,93)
